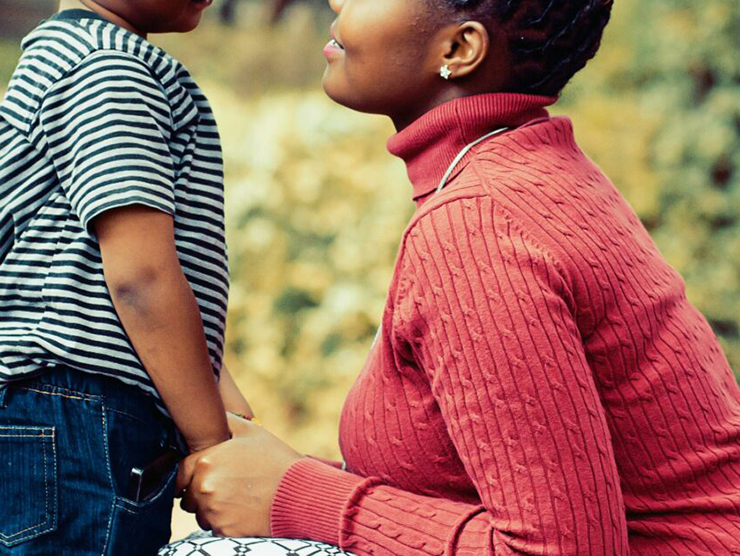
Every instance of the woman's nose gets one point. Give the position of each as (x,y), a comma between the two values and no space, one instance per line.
(336,5)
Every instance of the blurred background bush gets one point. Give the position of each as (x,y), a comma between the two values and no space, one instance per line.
(316,206)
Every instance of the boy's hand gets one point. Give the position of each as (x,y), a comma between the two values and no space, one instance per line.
(232,397)
(204,444)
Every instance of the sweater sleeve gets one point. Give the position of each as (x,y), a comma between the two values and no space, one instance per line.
(489,323)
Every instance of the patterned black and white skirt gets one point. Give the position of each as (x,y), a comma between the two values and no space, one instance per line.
(204,544)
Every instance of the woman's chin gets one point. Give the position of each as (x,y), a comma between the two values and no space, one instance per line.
(341,94)
(334,92)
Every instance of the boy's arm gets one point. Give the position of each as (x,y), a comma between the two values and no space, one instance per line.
(232,397)
(159,312)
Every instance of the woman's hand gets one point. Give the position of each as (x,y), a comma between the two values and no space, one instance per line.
(231,486)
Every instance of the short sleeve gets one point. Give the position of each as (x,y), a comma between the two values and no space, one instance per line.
(107,127)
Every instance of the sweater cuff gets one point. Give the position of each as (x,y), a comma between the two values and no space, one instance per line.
(330,462)
(310,501)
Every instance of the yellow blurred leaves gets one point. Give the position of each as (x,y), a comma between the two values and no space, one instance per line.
(315,210)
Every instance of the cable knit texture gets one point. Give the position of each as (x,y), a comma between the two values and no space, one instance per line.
(540,384)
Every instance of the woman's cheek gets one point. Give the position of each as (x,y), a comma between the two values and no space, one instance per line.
(364,78)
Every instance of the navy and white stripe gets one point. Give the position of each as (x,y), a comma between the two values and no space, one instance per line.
(96,118)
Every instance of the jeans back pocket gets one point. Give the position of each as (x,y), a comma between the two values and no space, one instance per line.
(28,483)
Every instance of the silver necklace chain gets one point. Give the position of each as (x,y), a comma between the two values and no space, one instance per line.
(462,153)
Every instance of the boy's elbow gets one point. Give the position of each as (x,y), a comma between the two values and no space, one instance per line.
(134,285)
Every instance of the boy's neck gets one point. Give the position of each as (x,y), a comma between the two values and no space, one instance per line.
(93,6)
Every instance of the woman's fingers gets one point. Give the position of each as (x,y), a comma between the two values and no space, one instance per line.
(185,473)
(202,521)
(231,486)
(188,502)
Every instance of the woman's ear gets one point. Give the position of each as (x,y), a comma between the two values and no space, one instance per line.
(467,47)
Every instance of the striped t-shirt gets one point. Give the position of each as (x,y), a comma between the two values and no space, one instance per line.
(95,118)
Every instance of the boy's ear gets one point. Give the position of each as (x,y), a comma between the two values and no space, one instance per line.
(466,48)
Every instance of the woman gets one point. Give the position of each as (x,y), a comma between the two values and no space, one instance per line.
(540,384)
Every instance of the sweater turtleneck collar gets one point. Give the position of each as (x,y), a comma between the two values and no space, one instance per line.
(430,144)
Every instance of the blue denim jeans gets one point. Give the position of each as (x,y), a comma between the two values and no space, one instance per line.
(68,443)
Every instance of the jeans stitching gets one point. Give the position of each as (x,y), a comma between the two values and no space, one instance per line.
(26,436)
(80,396)
(41,430)
(29,537)
(110,527)
(70,394)
(46,491)
(46,484)
(125,509)
(56,500)
(139,419)
(110,477)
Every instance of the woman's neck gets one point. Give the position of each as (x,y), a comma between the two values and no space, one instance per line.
(429,144)
(93,6)
(408,115)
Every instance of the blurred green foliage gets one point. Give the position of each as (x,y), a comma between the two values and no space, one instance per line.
(9,52)
(688,75)
(315,209)
(316,206)
(660,108)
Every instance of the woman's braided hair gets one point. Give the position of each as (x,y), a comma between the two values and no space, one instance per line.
(549,40)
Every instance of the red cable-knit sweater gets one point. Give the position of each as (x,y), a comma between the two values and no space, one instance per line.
(541,385)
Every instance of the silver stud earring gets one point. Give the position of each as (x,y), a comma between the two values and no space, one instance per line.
(445,72)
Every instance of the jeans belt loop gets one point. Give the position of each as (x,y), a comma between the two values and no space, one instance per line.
(3,395)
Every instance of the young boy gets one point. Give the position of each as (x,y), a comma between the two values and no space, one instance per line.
(113,280)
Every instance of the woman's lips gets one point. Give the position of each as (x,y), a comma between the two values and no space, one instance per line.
(202,4)
(332,48)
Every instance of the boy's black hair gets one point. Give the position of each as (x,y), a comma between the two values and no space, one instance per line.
(549,40)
